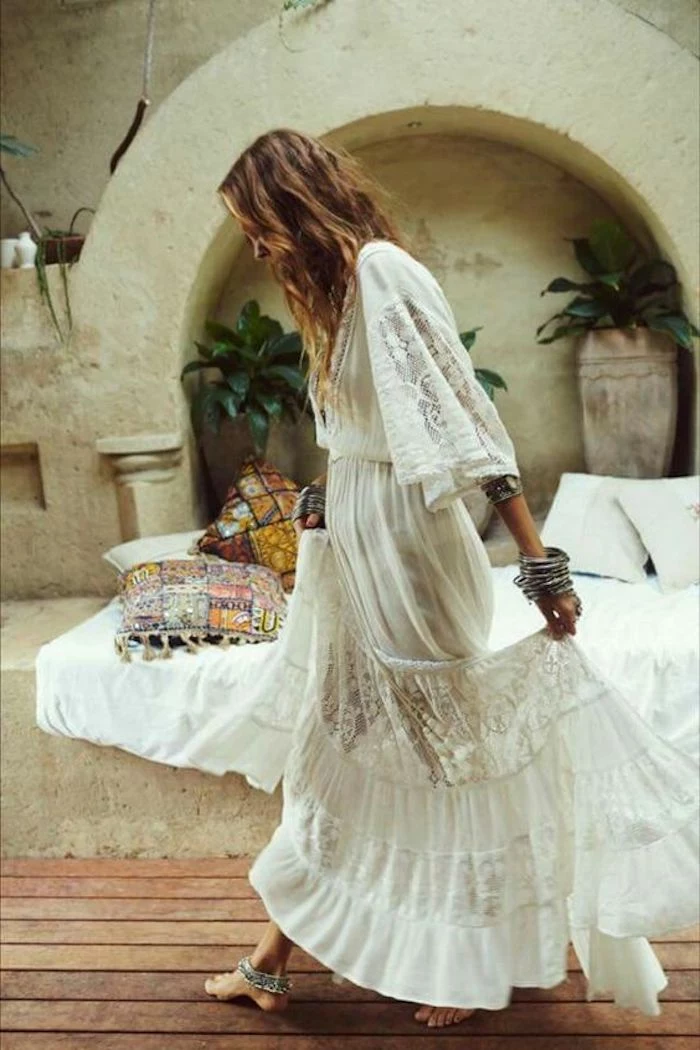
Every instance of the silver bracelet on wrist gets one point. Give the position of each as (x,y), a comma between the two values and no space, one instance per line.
(311,500)
(502,487)
(548,575)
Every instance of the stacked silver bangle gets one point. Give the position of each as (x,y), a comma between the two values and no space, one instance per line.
(549,575)
(311,500)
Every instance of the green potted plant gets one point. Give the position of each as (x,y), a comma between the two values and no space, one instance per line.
(628,326)
(478,505)
(54,246)
(249,377)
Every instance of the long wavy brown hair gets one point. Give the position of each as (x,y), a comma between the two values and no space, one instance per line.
(315,206)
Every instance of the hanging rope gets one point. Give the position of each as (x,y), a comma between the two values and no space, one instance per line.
(145,100)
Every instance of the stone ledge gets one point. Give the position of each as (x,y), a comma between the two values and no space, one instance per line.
(64,796)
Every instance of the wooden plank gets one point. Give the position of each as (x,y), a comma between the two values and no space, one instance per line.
(451,1039)
(161,958)
(131,908)
(57,931)
(126,887)
(347,1019)
(203,957)
(88,984)
(125,867)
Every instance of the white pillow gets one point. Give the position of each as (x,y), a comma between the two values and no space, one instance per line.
(666,513)
(151,548)
(586,520)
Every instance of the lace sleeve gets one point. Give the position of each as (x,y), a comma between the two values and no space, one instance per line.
(443,430)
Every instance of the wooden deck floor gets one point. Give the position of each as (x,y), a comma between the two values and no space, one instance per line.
(112,955)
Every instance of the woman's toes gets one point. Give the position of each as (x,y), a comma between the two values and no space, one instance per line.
(423,1013)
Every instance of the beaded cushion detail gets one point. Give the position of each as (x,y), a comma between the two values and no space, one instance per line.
(180,602)
(255,522)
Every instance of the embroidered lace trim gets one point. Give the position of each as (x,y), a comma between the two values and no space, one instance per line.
(437,416)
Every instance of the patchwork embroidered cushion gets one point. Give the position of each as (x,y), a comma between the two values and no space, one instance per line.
(255,522)
(177,602)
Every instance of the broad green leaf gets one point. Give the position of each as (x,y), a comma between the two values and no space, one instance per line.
(239,383)
(585,308)
(493,378)
(611,245)
(194,366)
(468,338)
(273,404)
(612,280)
(227,399)
(676,325)
(259,424)
(585,257)
(291,375)
(562,332)
(204,350)
(234,355)
(563,284)
(654,275)
(287,345)
(554,317)
(250,312)
(223,333)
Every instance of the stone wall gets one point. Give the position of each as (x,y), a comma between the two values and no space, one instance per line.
(498,144)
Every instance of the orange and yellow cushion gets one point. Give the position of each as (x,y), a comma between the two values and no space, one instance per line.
(255,523)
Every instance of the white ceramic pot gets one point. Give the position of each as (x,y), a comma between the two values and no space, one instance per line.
(8,252)
(629,396)
(26,250)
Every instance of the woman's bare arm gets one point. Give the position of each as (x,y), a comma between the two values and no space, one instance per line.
(558,609)
(515,512)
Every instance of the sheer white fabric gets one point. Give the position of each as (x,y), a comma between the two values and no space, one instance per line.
(453,815)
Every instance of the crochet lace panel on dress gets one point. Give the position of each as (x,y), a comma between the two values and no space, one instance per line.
(436,415)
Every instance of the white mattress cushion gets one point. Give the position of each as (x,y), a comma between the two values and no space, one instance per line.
(151,548)
(666,513)
(587,521)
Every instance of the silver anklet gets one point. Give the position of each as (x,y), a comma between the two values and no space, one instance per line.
(265,982)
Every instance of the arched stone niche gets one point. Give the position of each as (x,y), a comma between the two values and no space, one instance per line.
(588,88)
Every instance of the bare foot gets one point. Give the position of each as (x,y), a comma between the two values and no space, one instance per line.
(440,1016)
(231,985)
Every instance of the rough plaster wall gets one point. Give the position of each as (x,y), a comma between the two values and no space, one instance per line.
(489,220)
(160,249)
(70,79)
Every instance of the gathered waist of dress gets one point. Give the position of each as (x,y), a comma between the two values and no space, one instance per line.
(334,454)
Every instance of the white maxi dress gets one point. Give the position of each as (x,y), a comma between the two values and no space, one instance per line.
(453,816)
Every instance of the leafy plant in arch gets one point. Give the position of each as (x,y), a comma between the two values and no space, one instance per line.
(624,290)
(260,375)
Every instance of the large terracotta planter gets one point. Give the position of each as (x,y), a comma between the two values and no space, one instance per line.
(629,397)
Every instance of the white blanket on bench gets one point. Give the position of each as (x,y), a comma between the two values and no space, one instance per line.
(190,711)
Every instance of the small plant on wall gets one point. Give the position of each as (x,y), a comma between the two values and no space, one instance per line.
(249,377)
(52,245)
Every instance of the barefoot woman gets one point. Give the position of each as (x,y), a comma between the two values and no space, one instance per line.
(453,815)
